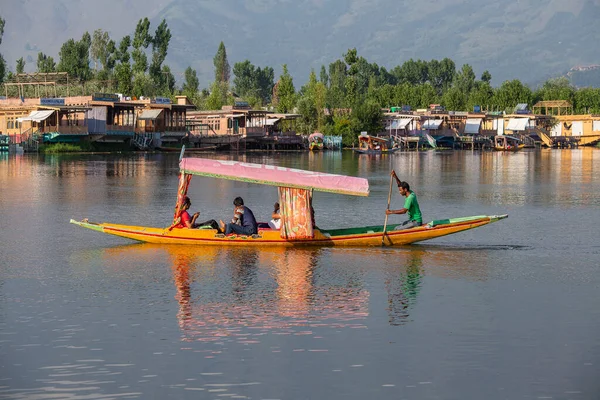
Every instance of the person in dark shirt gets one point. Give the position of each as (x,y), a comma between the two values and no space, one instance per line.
(243,221)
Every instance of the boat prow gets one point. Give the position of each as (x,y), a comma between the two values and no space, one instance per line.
(362,236)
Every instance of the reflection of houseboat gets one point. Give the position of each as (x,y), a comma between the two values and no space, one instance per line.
(375,145)
(507,143)
(4,142)
(315,141)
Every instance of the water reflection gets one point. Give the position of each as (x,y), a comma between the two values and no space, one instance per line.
(240,294)
(402,284)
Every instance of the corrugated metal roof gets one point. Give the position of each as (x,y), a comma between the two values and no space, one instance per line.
(150,114)
(472,125)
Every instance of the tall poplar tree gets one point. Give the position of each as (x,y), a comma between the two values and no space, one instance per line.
(20,67)
(141,41)
(45,64)
(2,62)
(222,69)
(286,93)
(160,45)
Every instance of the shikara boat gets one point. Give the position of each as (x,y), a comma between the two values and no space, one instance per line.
(375,145)
(507,143)
(295,197)
(315,141)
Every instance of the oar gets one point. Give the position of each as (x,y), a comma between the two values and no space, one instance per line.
(388,207)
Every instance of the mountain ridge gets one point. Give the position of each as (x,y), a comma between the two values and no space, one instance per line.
(530,40)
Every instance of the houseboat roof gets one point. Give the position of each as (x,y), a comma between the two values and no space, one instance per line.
(275,176)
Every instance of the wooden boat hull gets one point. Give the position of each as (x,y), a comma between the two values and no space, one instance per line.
(363,151)
(516,148)
(365,236)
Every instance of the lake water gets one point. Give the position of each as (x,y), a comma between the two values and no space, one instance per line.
(506,311)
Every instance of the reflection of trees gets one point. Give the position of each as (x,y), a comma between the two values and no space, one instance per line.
(402,287)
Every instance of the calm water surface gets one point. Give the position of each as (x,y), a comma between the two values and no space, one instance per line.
(506,311)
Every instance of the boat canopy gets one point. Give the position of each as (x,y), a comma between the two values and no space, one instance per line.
(316,135)
(373,138)
(275,176)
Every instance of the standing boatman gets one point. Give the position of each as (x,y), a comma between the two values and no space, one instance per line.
(411,206)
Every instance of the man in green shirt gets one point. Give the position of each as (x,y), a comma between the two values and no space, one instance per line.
(411,206)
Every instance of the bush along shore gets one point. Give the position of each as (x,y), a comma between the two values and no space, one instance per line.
(84,147)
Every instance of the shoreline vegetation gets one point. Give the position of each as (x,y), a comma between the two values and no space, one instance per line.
(85,147)
(342,98)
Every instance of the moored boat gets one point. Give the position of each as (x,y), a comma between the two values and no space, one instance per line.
(315,141)
(295,189)
(507,143)
(375,145)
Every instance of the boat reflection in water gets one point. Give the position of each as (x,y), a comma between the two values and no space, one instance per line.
(261,291)
(239,294)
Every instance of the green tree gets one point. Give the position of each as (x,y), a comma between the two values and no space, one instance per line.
(142,85)
(454,99)
(441,74)
(365,116)
(414,72)
(45,64)
(141,41)
(2,22)
(160,46)
(99,48)
(74,58)
(219,96)
(20,67)
(2,68)
(222,69)
(557,89)
(123,73)
(465,79)
(167,86)
(486,76)
(286,93)
(481,95)
(191,83)
(587,101)
(323,77)
(338,71)
(2,62)
(511,93)
(253,83)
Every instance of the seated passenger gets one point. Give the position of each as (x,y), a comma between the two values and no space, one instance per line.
(190,222)
(275,222)
(243,221)
(185,221)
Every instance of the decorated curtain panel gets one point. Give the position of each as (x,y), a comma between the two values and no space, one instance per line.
(184,183)
(296,213)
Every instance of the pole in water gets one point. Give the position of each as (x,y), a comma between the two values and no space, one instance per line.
(181,154)
(388,207)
